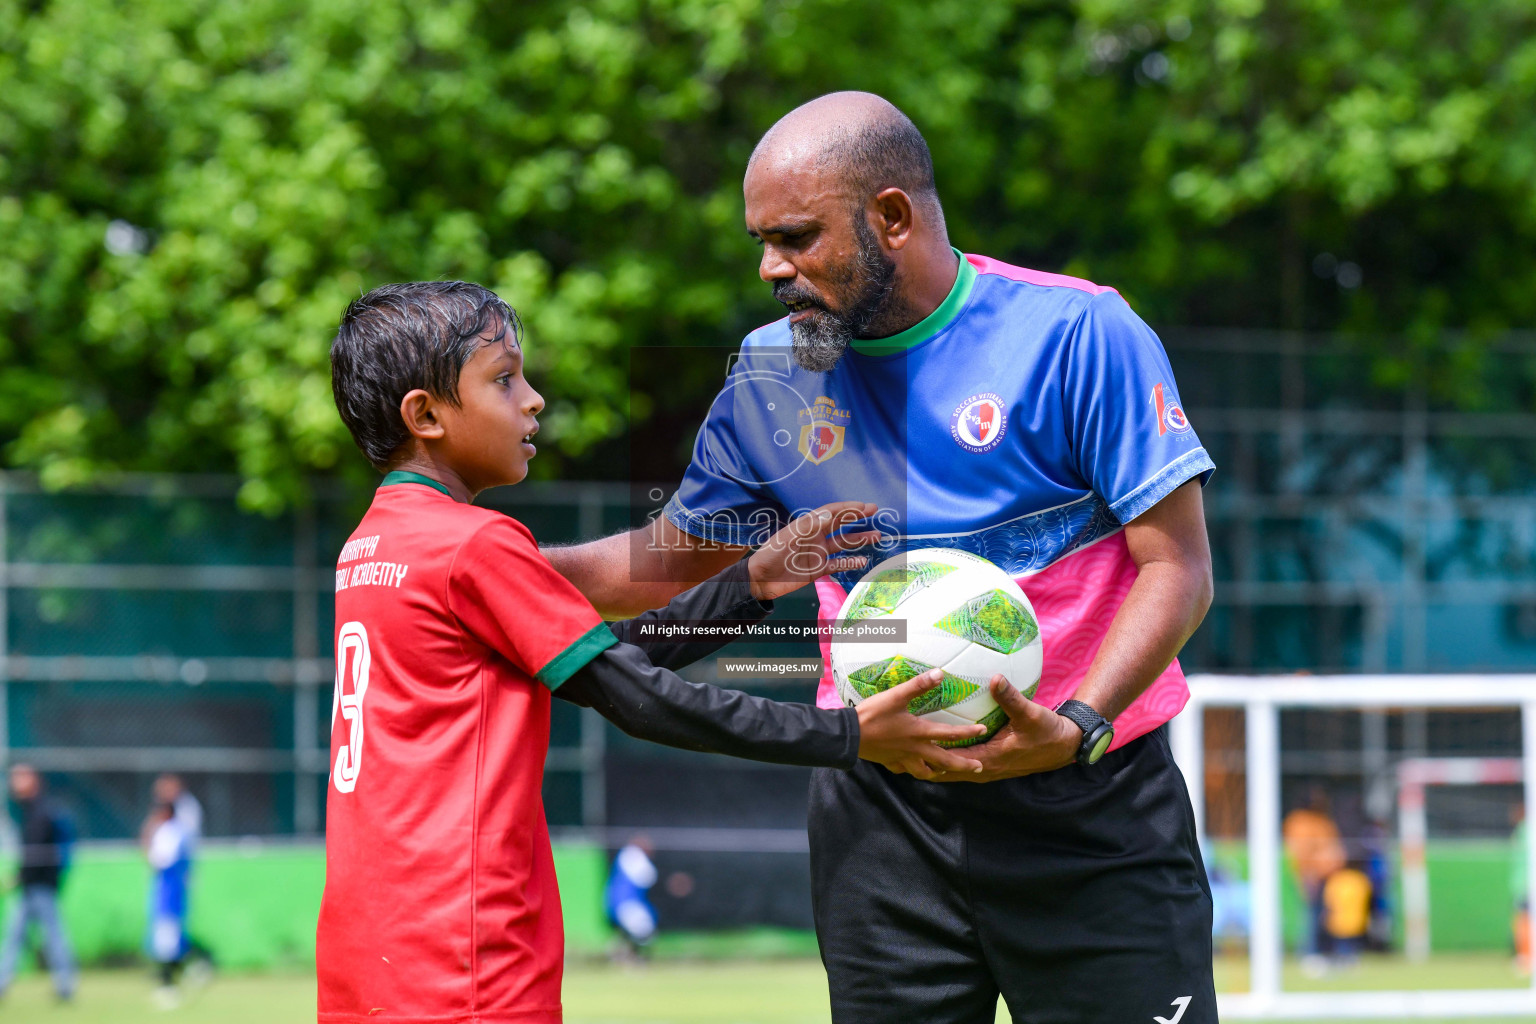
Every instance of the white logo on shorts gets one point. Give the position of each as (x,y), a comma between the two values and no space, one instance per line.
(1182,1004)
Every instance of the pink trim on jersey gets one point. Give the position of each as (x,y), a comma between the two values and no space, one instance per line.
(1075,599)
(988,265)
(831,595)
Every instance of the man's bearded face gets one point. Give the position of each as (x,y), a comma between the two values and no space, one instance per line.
(859,293)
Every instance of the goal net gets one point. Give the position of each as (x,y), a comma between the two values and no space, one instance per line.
(1400,779)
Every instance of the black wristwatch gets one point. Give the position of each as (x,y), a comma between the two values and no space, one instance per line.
(1098,733)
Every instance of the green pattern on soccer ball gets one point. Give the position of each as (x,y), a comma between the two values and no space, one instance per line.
(886,589)
(948,693)
(880,676)
(995,619)
(993,720)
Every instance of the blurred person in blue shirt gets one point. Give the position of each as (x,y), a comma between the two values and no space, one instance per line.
(169,851)
(169,789)
(1231,907)
(188,812)
(46,838)
(1377,865)
(629,908)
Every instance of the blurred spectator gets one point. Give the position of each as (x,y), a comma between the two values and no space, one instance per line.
(1231,909)
(629,909)
(1519,891)
(168,850)
(1346,913)
(1378,868)
(188,812)
(1316,851)
(46,837)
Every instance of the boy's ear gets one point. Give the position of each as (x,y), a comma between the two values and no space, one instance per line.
(419,411)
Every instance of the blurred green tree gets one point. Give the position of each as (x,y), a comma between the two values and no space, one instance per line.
(190,192)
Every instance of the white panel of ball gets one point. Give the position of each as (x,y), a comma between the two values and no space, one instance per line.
(972,576)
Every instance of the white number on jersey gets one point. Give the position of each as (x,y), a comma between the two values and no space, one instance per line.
(351,686)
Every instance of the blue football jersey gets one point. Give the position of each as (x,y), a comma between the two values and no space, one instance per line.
(1025,420)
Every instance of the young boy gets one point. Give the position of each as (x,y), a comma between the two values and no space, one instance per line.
(453,631)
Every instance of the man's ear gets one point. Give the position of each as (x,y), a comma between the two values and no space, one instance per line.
(419,411)
(893,217)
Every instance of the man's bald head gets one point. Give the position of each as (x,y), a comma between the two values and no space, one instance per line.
(866,143)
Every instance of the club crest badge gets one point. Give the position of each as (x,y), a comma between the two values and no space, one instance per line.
(820,441)
(1170,415)
(979,422)
(822,436)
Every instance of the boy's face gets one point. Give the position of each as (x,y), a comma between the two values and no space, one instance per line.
(487,438)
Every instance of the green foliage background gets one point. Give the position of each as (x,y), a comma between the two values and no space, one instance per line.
(584,159)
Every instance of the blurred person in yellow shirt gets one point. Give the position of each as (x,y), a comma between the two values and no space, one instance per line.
(1347,912)
(1316,852)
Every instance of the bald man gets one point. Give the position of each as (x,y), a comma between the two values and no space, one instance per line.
(1024,416)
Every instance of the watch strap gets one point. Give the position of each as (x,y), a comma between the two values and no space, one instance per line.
(1081,714)
(1093,724)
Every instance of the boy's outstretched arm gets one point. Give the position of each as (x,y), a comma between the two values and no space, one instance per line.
(725,597)
(509,598)
(626,573)
(655,704)
(623,574)
(632,687)
(744,591)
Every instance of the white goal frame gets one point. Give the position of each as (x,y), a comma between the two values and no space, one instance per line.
(1414,776)
(1261,698)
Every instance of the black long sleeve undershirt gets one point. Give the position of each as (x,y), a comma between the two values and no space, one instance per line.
(726,596)
(625,685)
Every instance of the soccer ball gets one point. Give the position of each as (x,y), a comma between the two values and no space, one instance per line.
(963,614)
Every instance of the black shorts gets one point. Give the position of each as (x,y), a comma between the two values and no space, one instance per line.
(1078,895)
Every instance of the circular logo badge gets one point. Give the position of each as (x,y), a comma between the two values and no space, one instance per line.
(979,422)
(1174,417)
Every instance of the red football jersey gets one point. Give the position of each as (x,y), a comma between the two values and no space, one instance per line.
(440,898)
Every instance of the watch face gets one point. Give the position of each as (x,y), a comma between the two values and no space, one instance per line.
(1101,745)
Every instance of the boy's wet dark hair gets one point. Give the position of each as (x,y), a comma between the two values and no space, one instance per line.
(405,336)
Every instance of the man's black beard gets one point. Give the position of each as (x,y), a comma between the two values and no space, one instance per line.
(819,340)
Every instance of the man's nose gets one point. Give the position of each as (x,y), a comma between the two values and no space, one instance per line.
(774,267)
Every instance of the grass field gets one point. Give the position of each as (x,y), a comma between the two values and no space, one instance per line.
(669,992)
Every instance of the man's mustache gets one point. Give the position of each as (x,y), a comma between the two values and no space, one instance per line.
(787,293)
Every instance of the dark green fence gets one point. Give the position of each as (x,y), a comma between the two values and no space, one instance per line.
(1359,523)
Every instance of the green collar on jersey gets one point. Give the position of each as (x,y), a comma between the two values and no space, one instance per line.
(405,476)
(931,324)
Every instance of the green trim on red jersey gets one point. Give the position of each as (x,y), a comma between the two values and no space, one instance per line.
(929,325)
(405,476)
(582,650)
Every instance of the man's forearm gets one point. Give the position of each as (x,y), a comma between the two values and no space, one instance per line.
(629,573)
(620,575)
(1165,605)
